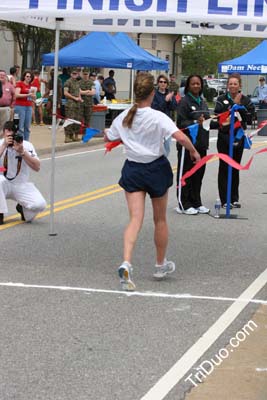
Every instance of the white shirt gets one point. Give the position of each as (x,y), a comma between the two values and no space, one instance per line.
(12,162)
(144,140)
(97,90)
(262,92)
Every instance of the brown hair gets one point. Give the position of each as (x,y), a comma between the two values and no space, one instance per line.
(236,76)
(143,87)
(26,73)
(162,76)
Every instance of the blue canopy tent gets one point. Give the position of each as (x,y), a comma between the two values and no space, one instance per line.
(128,45)
(254,62)
(100,49)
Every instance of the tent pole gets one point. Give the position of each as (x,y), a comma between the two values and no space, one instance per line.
(132,86)
(54,123)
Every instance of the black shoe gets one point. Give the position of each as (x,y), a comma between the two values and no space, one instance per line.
(1,219)
(20,211)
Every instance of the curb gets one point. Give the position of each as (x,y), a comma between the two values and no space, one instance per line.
(70,146)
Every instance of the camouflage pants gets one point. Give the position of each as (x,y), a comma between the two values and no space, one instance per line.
(86,114)
(73,112)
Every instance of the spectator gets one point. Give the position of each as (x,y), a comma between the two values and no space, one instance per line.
(192,110)
(49,94)
(17,72)
(87,91)
(173,85)
(18,156)
(223,104)
(99,93)
(109,86)
(7,100)
(73,108)
(63,78)
(12,76)
(164,101)
(37,84)
(262,93)
(25,95)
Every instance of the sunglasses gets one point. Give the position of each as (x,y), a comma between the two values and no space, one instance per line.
(27,76)
(162,81)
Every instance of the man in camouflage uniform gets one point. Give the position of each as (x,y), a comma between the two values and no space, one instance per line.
(72,108)
(87,92)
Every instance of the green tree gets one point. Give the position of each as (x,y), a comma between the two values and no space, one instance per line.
(39,40)
(201,54)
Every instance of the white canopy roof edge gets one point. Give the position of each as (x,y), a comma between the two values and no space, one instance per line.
(238,18)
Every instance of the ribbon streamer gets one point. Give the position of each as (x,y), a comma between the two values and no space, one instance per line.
(111,145)
(224,157)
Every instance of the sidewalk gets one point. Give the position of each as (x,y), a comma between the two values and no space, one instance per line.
(41,138)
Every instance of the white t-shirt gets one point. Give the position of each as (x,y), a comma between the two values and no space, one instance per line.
(12,164)
(144,140)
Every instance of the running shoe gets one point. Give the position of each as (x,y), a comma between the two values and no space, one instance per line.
(125,272)
(160,271)
(191,211)
(203,210)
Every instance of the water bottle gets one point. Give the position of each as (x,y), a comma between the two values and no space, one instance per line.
(217,207)
(105,100)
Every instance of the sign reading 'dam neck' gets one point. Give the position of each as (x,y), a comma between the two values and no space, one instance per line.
(249,68)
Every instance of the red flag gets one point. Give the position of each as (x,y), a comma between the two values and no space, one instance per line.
(223,117)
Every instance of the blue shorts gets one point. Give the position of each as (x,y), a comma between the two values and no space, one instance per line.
(153,178)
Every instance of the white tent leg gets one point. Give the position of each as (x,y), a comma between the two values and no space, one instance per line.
(180,205)
(54,128)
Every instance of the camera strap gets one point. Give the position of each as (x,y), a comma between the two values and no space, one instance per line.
(6,166)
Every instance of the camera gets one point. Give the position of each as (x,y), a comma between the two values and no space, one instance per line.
(18,137)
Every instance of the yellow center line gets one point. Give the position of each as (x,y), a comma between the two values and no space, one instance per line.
(61,205)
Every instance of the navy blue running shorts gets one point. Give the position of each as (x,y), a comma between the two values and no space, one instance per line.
(153,178)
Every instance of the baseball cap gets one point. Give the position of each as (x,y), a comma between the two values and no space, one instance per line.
(261,78)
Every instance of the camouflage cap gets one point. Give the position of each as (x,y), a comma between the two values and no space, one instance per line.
(86,69)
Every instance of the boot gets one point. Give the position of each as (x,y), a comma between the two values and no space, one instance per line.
(76,138)
(68,138)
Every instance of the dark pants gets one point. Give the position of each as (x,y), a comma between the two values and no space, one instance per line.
(223,147)
(190,194)
(263,106)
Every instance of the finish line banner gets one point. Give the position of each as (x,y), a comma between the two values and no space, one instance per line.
(209,17)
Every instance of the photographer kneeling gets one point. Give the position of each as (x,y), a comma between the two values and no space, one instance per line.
(17,156)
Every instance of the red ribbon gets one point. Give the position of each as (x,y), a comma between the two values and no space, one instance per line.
(111,145)
(228,160)
(2,169)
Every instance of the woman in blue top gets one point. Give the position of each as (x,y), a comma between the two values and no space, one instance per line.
(193,110)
